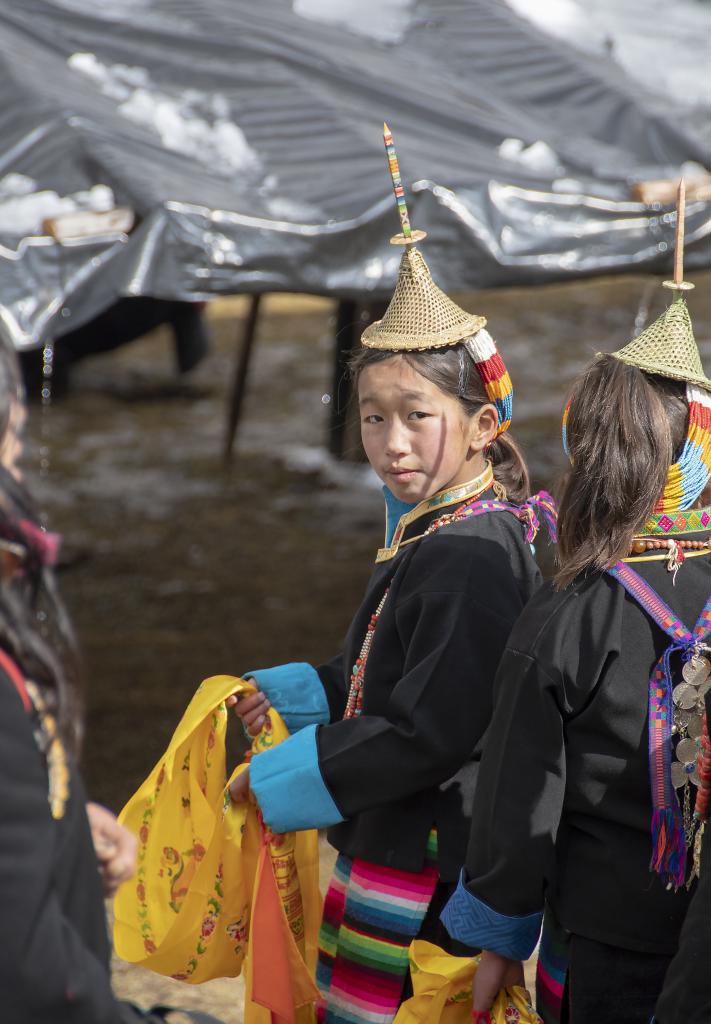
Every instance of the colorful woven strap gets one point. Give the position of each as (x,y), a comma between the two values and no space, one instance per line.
(668,841)
(538,506)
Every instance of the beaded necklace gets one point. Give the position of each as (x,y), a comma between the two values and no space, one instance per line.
(354,704)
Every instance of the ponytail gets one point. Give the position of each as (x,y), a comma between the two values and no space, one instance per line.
(623,430)
(509,467)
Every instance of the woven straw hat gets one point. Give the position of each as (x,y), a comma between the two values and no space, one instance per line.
(420,315)
(668,347)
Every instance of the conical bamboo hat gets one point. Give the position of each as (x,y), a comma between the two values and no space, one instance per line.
(420,315)
(668,347)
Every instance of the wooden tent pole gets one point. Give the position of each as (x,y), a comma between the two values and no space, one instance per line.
(239,381)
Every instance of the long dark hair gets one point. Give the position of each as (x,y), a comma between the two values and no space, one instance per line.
(454,372)
(624,430)
(35,630)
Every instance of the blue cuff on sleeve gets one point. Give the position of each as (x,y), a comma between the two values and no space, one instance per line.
(296,692)
(289,787)
(474,923)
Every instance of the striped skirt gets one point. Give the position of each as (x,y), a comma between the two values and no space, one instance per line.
(552,970)
(371,915)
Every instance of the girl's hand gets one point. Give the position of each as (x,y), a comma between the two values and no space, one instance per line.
(115,848)
(251,709)
(239,788)
(494,973)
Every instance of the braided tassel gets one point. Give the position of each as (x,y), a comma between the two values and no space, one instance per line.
(668,846)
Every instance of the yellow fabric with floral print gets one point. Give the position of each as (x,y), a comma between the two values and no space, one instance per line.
(442,991)
(187,912)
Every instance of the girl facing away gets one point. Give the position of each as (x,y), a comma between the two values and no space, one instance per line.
(586,790)
(383,736)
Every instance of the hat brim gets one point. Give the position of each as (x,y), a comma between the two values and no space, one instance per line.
(373,337)
(660,370)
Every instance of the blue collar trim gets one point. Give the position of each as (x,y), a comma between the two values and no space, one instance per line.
(394,511)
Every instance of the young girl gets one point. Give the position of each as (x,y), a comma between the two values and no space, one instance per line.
(580,785)
(384,735)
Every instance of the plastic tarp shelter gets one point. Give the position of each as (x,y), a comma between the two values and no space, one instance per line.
(247,139)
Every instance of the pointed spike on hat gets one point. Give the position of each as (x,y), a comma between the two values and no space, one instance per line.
(678,284)
(397,183)
(667,347)
(679,242)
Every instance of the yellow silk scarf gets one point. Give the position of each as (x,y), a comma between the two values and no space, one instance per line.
(442,987)
(190,912)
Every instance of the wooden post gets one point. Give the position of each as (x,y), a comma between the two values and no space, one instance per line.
(344,433)
(239,381)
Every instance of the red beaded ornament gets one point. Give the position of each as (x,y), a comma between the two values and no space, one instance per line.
(354,704)
(703,770)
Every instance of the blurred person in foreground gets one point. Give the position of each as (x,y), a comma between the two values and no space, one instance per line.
(59,856)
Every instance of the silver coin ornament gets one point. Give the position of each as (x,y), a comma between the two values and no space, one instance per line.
(686,751)
(679,775)
(696,670)
(695,726)
(685,696)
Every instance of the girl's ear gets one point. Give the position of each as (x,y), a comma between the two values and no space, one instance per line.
(482,427)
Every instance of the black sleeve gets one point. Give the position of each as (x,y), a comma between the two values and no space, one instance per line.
(333,680)
(47,972)
(518,800)
(686,996)
(439,708)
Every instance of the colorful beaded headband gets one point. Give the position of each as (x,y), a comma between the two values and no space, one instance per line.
(687,477)
(494,375)
(420,317)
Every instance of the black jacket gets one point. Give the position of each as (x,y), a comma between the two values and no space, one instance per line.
(406,764)
(563,806)
(54,950)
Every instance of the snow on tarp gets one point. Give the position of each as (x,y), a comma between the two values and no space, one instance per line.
(246,138)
